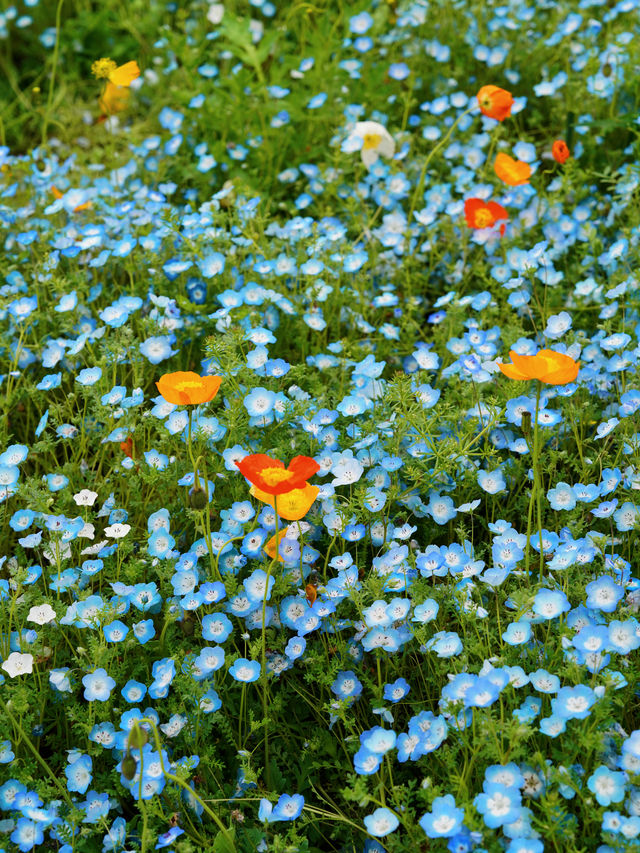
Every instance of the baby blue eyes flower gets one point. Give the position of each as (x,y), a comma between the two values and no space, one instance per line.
(517,633)
(98,686)
(245,670)
(608,786)
(550,603)
(492,481)
(381,822)
(211,265)
(444,820)
(78,772)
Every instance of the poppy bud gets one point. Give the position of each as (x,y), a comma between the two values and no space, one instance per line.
(560,151)
(137,738)
(197,498)
(526,424)
(128,767)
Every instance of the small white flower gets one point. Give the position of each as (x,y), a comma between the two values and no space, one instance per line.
(88,531)
(18,664)
(215,13)
(376,140)
(117,531)
(94,549)
(85,498)
(41,614)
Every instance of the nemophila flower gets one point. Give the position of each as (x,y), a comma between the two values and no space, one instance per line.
(517,633)
(562,497)
(548,366)
(604,594)
(608,786)
(41,614)
(381,822)
(498,805)
(484,214)
(512,172)
(495,102)
(89,376)
(18,664)
(98,685)
(550,603)
(78,772)
(245,670)
(560,151)
(27,835)
(573,702)
(6,753)
(444,820)
(270,475)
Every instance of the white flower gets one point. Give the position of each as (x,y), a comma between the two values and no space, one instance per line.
(94,549)
(375,140)
(215,13)
(41,614)
(18,664)
(88,531)
(117,531)
(85,498)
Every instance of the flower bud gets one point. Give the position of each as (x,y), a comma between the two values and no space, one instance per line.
(128,767)
(197,498)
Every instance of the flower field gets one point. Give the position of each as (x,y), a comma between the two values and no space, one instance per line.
(319,435)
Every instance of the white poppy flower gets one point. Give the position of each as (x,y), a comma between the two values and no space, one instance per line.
(18,664)
(85,498)
(376,140)
(41,614)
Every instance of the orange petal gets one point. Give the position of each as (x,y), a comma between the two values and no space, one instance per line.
(124,75)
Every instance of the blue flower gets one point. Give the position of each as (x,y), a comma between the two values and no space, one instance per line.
(89,376)
(607,785)
(97,686)
(245,670)
(444,820)
(381,822)
(498,805)
(78,771)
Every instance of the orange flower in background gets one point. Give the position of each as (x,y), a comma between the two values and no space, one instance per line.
(512,172)
(114,99)
(560,151)
(548,366)
(185,388)
(484,214)
(270,475)
(495,102)
(271,547)
(292,505)
(57,194)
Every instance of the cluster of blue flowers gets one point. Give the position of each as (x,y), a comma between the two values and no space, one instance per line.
(448,609)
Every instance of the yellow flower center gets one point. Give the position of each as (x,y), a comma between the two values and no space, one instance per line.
(371,140)
(484,218)
(188,385)
(273,476)
(102,68)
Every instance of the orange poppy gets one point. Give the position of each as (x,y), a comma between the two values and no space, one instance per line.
(548,366)
(57,194)
(560,151)
(114,99)
(311,593)
(483,214)
(124,75)
(271,547)
(270,475)
(185,388)
(292,505)
(512,172)
(495,102)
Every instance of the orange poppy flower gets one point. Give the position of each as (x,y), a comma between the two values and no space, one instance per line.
(124,75)
(483,214)
(114,99)
(185,388)
(495,102)
(560,151)
(292,505)
(271,547)
(311,593)
(270,475)
(512,172)
(57,194)
(548,366)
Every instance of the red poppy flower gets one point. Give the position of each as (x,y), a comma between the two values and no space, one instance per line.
(270,475)
(560,151)
(495,102)
(483,214)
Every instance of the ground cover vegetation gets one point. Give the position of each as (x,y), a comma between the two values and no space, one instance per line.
(319,340)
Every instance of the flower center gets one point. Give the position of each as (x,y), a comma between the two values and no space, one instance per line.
(484,218)
(274,476)
(371,140)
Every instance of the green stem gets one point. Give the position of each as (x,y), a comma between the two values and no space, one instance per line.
(54,61)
